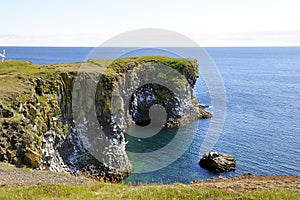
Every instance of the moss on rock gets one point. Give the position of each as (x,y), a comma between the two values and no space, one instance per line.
(40,100)
(32,158)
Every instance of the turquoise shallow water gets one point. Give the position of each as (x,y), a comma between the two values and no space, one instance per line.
(262,125)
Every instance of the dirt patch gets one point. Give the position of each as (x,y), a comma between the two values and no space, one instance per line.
(10,176)
(249,183)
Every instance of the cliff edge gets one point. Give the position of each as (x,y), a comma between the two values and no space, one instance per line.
(72,117)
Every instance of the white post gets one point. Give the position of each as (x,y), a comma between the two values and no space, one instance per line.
(3,55)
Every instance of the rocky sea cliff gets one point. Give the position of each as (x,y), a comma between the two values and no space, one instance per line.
(72,117)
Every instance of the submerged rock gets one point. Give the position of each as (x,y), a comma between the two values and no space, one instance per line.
(218,162)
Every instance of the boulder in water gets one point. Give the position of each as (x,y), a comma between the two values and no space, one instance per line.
(218,162)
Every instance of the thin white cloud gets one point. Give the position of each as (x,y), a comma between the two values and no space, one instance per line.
(263,38)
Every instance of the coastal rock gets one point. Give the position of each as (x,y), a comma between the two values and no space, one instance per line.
(5,113)
(217,162)
(31,158)
(52,132)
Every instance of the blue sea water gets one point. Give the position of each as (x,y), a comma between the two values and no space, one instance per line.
(47,55)
(262,125)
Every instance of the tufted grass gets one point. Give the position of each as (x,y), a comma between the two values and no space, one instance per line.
(120,191)
(14,75)
(183,65)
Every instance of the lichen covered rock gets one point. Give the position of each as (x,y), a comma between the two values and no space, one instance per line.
(5,113)
(49,125)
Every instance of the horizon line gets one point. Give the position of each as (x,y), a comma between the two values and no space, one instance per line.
(242,46)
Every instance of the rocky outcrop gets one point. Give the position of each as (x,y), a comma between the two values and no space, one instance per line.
(217,162)
(4,113)
(35,114)
(75,122)
(42,133)
(134,93)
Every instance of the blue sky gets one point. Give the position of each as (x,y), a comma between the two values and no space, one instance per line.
(91,22)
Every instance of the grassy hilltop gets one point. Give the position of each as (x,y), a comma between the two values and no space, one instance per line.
(14,74)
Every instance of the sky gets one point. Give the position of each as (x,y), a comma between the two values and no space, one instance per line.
(91,22)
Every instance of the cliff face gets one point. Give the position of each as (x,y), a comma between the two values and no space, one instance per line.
(75,121)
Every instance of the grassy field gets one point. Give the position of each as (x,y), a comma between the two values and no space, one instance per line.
(14,77)
(15,74)
(120,191)
(22,183)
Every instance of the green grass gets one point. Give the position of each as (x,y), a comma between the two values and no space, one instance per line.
(182,65)
(117,67)
(14,75)
(21,67)
(119,191)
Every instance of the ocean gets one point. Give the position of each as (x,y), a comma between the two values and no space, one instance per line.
(262,124)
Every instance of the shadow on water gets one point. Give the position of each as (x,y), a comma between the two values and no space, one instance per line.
(143,145)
